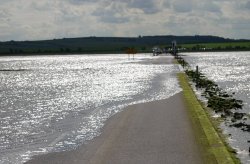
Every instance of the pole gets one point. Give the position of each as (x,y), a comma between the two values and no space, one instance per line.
(197,74)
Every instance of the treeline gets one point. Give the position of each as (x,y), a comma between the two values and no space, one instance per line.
(105,44)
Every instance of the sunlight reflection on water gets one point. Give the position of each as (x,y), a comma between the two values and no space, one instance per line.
(231,71)
(55,103)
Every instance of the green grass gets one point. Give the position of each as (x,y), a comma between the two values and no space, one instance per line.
(229,45)
(212,146)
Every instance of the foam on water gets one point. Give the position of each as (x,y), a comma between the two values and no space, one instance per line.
(56,103)
(231,71)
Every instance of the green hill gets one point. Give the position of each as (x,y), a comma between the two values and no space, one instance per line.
(105,44)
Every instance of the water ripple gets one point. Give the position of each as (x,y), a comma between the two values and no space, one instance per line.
(62,101)
(231,71)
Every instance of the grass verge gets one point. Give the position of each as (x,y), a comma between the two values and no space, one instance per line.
(212,146)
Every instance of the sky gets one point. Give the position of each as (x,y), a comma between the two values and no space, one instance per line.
(49,19)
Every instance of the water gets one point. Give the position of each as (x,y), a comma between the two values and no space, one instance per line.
(56,103)
(231,71)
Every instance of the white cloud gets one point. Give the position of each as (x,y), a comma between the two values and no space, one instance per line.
(112,13)
(182,6)
(46,19)
(148,7)
(248,5)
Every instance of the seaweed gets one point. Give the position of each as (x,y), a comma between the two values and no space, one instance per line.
(218,100)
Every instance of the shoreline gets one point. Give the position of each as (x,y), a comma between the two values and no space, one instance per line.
(214,146)
(161,131)
(235,137)
(111,52)
(154,132)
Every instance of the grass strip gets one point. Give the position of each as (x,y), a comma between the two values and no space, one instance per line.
(212,147)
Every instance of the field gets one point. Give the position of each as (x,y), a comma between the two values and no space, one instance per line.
(216,46)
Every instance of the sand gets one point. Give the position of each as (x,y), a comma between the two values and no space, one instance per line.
(158,132)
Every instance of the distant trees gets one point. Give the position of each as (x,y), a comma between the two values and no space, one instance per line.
(79,49)
(120,45)
(143,48)
(68,50)
(11,51)
(15,51)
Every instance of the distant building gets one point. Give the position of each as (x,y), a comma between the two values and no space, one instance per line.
(174,47)
(157,51)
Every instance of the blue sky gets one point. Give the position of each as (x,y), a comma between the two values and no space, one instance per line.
(48,19)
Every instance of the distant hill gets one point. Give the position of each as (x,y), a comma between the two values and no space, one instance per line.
(103,44)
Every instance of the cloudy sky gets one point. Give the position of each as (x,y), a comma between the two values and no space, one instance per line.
(48,19)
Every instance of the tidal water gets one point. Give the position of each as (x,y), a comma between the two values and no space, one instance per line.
(231,71)
(56,103)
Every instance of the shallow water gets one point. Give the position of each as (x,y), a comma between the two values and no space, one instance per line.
(56,103)
(231,71)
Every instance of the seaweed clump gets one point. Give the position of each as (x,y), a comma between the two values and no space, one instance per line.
(218,100)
